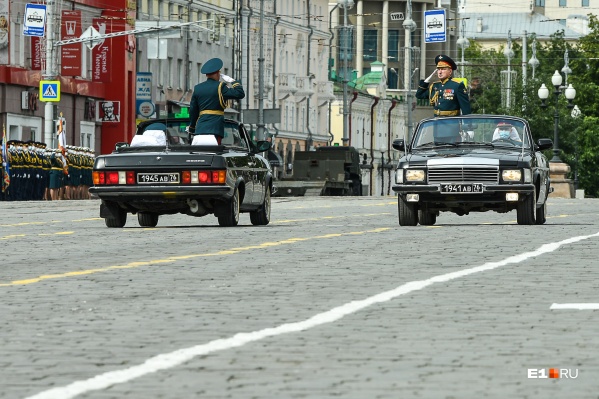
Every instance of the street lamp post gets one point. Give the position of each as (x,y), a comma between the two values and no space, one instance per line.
(570,93)
(575,114)
(346,5)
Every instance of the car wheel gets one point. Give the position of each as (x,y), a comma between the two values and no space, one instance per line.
(526,209)
(231,216)
(541,213)
(119,221)
(261,217)
(427,218)
(147,219)
(407,212)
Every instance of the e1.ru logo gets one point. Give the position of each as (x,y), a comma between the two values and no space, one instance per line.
(552,373)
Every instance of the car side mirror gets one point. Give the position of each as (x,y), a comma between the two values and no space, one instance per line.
(399,145)
(544,144)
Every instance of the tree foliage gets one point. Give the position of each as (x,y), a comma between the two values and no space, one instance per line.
(578,138)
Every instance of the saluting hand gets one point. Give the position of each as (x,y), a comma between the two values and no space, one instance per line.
(430,76)
(227,78)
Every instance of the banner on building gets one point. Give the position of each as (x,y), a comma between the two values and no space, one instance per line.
(38,53)
(70,28)
(101,54)
(4,32)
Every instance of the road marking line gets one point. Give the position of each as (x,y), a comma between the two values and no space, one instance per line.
(575,306)
(329,217)
(173,259)
(172,359)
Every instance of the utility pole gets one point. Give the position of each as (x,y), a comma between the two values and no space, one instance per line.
(49,74)
(345,4)
(409,26)
(260,126)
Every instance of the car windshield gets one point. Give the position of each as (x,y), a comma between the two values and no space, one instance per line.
(493,132)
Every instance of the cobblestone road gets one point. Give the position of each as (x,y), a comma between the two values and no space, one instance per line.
(334,297)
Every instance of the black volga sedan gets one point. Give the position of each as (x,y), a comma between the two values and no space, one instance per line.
(162,171)
(473,163)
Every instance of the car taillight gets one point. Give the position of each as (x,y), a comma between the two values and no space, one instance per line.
(119,177)
(130,177)
(204,177)
(186,177)
(112,177)
(99,178)
(219,176)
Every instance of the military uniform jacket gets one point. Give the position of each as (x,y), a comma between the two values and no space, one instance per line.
(448,98)
(208,103)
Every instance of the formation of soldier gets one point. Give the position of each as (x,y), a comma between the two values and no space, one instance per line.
(39,173)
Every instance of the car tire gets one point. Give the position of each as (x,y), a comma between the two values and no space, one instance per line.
(231,215)
(147,219)
(526,209)
(541,217)
(427,218)
(119,221)
(261,217)
(408,216)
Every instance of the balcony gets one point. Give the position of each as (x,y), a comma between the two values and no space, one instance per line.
(325,91)
(287,84)
(304,86)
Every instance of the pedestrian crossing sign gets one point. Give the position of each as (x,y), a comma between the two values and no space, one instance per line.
(49,90)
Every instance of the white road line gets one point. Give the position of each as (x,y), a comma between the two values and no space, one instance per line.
(178,357)
(576,306)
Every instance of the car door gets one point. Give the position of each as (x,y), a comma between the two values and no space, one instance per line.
(243,161)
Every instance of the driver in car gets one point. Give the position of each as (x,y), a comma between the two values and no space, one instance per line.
(505,131)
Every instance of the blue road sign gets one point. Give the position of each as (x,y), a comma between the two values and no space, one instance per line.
(435,26)
(34,21)
(50,90)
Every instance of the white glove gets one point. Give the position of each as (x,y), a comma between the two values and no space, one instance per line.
(227,78)
(430,76)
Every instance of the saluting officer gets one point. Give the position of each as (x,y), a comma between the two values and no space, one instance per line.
(448,96)
(209,100)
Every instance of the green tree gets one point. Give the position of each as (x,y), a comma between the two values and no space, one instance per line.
(578,137)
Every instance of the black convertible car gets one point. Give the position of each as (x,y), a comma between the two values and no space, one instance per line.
(472,163)
(162,171)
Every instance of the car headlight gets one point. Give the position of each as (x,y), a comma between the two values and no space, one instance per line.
(511,175)
(415,175)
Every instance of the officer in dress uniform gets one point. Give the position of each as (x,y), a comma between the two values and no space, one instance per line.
(448,96)
(209,100)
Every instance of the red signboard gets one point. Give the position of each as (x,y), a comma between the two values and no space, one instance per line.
(37,53)
(101,54)
(70,28)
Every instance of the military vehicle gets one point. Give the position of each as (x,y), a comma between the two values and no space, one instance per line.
(328,171)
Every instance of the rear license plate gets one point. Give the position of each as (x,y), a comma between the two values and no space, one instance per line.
(148,178)
(468,188)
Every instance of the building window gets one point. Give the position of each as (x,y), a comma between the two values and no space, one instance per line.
(370,44)
(540,3)
(393,46)
(585,3)
(563,3)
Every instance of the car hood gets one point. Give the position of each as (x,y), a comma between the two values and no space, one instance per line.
(467,155)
